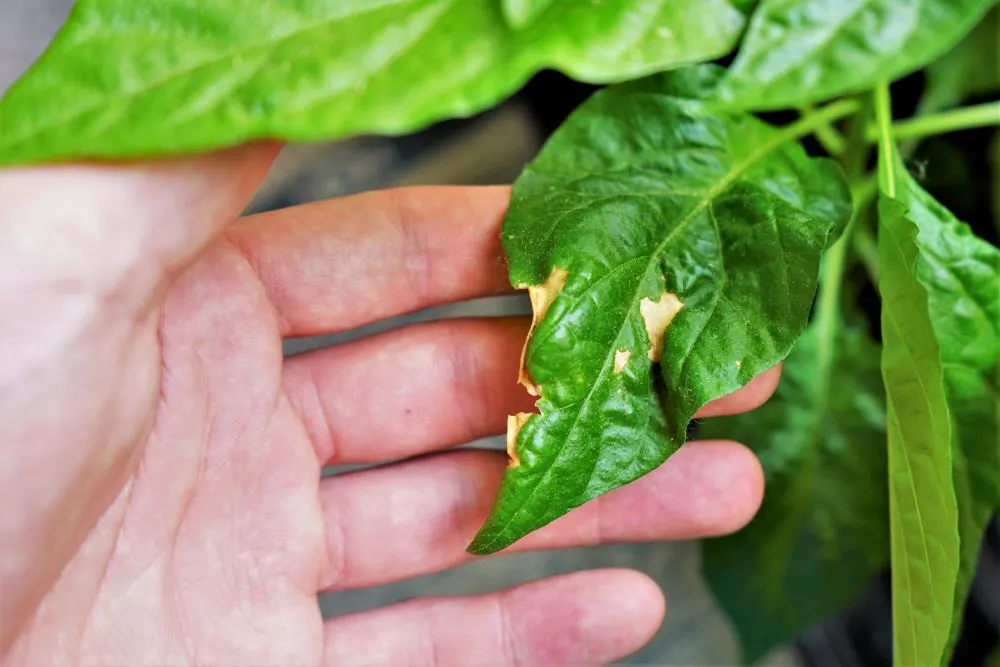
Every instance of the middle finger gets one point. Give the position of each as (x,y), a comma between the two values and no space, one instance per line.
(426,387)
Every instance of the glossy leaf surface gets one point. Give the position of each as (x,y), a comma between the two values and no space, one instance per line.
(520,13)
(803,51)
(971,68)
(822,532)
(672,252)
(128,78)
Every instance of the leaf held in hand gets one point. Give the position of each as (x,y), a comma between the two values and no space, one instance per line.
(648,199)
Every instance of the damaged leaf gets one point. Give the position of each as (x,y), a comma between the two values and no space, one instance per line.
(680,228)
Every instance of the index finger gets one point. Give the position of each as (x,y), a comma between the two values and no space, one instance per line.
(338,264)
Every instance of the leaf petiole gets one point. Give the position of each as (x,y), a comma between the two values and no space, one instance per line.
(864,245)
(859,233)
(828,135)
(884,133)
(979,115)
(814,119)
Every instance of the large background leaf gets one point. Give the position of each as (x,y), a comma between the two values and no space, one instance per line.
(822,532)
(923,508)
(128,78)
(971,68)
(643,198)
(520,13)
(800,51)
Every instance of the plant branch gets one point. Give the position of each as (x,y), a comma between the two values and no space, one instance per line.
(828,316)
(828,304)
(884,134)
(831,139)
(864,245)
(855,158)
(811,121)
(979,115)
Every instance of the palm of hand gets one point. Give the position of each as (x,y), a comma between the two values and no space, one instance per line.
(221,533)
(212,552)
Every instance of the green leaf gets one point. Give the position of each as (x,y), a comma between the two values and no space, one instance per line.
(994,159)
(822,532)
(646,210)
(923,507)
(127,78)
(801,51)
(520,13)
(961,275)
(971,68)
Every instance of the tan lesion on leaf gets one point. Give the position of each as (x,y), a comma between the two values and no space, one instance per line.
(621,360)
(657,316)
(541,297)
(514,424)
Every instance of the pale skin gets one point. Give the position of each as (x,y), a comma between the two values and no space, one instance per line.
(160,461)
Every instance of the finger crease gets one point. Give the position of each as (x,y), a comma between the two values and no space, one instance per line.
(507,639)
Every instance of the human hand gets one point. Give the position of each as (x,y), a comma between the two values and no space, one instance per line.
(161,462)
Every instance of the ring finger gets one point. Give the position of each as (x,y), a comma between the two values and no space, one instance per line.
(418,516)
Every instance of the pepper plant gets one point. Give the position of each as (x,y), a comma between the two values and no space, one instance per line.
(674,243)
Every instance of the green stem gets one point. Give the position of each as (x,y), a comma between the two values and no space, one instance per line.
(828,306)
(830,138)
(832,278)
(863,192)
(855,157)
(810,122)
(979,115)
(860,234)
(863,244)
(884,134)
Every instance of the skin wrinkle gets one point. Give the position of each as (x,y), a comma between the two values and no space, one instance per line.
(336,566)
(431,648)
(414,250)
(314,417)
(465,378)
(87,626)
(456,520)
(238,244)
(507,637)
